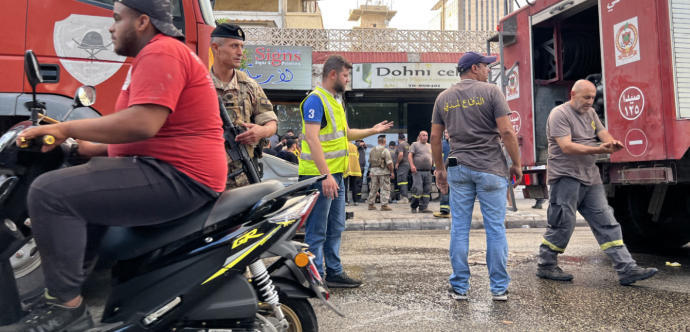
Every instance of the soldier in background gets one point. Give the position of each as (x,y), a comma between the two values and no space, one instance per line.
(381,171)
(244,99)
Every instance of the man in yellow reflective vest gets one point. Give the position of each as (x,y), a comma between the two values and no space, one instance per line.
(325,151)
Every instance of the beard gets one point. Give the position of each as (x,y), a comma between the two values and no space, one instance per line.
(127,42)
(339,87)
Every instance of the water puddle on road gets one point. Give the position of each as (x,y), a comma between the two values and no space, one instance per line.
(515,258)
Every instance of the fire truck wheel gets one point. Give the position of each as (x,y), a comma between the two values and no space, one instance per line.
(672,230)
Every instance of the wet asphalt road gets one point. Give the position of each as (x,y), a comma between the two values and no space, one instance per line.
(406,277)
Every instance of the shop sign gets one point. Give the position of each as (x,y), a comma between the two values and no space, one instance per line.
(280,67)
(404,75)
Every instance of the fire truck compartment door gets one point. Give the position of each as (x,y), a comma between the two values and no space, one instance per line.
(563,9)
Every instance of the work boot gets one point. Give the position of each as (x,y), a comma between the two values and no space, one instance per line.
(58,317)
(414,210)
(635,274)
(372,207)
(442,214)
(553,273)
(537,206)
(425,210)
(356,203)
(342,281)
(404,200)
(385,208)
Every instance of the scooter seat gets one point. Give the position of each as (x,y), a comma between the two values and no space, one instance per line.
(123,243)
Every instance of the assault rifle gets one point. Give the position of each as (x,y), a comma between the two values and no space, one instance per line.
(235,150)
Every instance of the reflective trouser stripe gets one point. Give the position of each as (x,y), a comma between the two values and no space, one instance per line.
(415,196)
(425,196)
(552,246)
(327,155)
(616,243)
(402,183)
(445,207)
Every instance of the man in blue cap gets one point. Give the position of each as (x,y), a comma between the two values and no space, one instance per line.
(476,115)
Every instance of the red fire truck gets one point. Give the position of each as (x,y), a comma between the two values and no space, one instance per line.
(635,53)
(73,45)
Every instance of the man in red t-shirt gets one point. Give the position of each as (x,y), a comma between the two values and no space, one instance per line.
(167,137)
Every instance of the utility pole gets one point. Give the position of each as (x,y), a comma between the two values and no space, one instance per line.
(443,14)
(461,14)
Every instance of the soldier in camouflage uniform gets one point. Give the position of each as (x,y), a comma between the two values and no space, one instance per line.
(381,171)
(244,99)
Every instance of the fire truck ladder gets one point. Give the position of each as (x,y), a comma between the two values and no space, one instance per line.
(503,39)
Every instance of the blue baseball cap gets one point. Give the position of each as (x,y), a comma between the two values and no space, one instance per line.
(469,59)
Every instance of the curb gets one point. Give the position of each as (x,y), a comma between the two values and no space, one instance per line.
(435,224)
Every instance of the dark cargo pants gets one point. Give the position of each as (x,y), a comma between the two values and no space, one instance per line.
(568,196)
(401,177)
(421,190)
(71,208)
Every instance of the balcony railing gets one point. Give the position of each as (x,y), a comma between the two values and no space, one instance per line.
(373,40)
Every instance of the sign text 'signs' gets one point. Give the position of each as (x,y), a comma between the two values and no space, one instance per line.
(276,58)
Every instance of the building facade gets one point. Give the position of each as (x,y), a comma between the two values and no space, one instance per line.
(304,14)
(476,15)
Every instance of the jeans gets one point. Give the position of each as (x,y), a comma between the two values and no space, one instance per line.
(324,226)
(465,185)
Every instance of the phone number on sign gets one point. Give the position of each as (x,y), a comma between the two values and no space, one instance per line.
(424,85)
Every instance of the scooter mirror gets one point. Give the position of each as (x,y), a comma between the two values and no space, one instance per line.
(33,72)
(85,96)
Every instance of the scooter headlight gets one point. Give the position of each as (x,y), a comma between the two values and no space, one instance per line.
(7,139)
(298,211)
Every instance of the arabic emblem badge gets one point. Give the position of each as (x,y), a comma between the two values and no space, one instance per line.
(513,86)
(627,42)
(87,38)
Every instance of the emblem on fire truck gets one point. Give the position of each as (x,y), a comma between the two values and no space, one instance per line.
(513,86)
(87,37)
(627,42)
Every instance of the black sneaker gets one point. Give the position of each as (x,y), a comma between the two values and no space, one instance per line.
(455,295)
(553,273)
(636,274)
(340,281)
(52,317)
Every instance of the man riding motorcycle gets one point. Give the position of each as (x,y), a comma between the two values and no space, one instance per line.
(166,160)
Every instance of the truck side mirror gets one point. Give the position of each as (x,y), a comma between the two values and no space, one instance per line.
(33,72)
(85,96)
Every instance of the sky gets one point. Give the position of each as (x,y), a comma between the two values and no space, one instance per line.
(412,14)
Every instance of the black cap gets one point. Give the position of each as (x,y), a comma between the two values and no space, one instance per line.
(227,30)
(392,143)
(160,13)
(469,59)
(401,136)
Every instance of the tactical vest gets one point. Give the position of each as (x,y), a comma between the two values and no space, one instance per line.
(377,157)
(333,137)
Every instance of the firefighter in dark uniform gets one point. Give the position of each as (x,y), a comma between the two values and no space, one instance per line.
(244,99)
